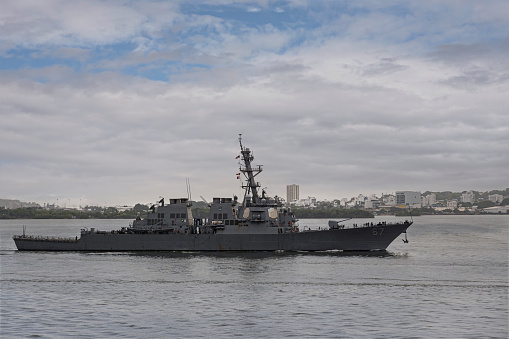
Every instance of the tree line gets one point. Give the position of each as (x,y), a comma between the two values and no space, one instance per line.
(203,212)
(39,213)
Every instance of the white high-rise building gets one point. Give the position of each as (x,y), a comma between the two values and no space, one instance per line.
(292,193)
(468,197)
(359,201)
(496,198)
(344,202)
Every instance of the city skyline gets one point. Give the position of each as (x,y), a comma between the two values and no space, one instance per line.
(427,200)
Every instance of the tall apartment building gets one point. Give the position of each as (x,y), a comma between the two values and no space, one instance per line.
(408,198)
(468,197)
(292,193)
(496,198)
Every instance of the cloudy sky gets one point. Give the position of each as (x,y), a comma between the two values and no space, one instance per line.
(117,102)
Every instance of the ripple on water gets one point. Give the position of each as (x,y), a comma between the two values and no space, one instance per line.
(438,285)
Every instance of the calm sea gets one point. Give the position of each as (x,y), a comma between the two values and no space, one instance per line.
(449,281)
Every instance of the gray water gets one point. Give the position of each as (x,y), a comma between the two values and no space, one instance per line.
(449,281)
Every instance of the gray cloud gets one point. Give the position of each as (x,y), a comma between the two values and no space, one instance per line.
(337,115)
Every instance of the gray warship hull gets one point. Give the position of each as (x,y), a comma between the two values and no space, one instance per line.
(368,238)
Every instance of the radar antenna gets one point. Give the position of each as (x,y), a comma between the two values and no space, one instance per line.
(249,172)
(240,141)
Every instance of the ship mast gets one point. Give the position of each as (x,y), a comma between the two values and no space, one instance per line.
(249,172)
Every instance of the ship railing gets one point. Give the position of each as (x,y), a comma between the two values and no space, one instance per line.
(44,238)
(336,225)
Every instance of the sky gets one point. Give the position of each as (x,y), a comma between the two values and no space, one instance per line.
(118,102)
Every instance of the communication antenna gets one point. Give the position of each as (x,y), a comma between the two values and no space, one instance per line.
(188,185)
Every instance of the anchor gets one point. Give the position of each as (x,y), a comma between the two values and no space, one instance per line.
(406,239)
(411,218)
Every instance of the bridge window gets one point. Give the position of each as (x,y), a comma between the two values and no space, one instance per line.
(257,215)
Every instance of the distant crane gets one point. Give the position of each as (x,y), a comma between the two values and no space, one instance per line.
(205,201)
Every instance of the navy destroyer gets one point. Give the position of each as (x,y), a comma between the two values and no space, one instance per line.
(258,223)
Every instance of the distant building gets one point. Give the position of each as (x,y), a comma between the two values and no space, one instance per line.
(309,202)
(351,203)
(496,198)
(429,200)
(497,210)
(12,204)
(389,200)
(371,202)
(408,198)
(124,208)
(468,197)
(344,202)
(452,204)
(292,193)
(360,200)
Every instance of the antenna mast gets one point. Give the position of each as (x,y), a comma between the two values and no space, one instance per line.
(188,185)
(249,172)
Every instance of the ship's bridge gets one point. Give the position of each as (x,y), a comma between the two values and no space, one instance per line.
(223,209)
